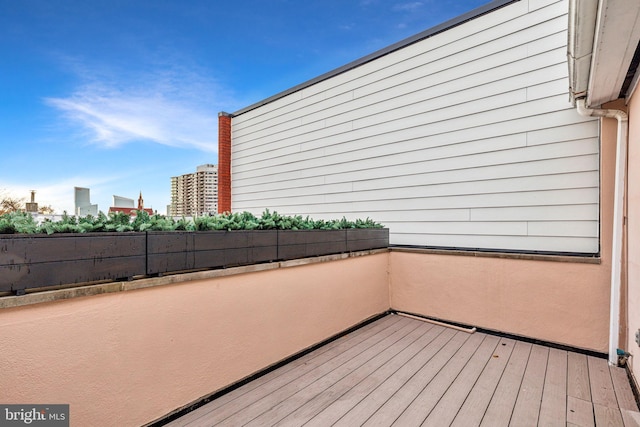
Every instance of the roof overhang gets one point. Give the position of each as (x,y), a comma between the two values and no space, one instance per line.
(602,45)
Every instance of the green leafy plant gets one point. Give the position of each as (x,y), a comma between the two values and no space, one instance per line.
(17,222)
(20,222)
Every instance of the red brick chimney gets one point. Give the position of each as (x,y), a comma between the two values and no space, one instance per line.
(224,162)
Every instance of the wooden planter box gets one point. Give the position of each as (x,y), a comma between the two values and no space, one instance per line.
(35,261)
(232,248)
(308,243)
(361,239)
(181,250)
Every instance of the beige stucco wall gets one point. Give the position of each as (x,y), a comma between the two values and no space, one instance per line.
(554,301)
(633,234)
(127,358)
(560,302)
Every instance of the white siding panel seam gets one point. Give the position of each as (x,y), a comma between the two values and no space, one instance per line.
(438,164)
(383,156)
(587,128)
(550,197)
(503,112)
(550,117)
(587,179)
(587,163)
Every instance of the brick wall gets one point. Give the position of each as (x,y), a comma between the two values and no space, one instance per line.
(224,162)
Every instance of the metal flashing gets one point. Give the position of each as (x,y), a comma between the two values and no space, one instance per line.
(454,22)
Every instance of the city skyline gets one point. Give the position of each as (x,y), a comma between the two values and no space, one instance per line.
(120,98)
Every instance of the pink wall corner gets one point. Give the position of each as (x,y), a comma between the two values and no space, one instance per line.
(131,357)
(562,302)
(633,235)
(552,301)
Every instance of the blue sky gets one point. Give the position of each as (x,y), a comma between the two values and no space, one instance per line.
(120,95)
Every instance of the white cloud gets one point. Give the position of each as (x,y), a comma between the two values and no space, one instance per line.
(170,107)
(408,7)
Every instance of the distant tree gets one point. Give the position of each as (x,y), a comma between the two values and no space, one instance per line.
(9,203)
(15,204)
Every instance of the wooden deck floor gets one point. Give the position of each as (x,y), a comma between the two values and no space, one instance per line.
(405,372)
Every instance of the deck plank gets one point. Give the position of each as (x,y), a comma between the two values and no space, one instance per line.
(427,399)
(630,418)
(607,416)
(447,408)
(475,406)
(307,401)
(578,377)
(602,392)
(378,397)
(579,412)
(336,367)
(363,379)
(330,412)
(622,388)
(392,408)
(503,400)
(527,408)
(553,409)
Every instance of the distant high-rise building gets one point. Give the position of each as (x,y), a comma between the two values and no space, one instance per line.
(195,194)
(83,202)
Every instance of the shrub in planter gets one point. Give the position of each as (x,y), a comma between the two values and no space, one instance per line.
(74,250)
(23,223)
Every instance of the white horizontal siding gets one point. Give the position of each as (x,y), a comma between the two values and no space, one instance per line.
(423,162)
(480,125)
(464,82)
(319,204)
(501,30)
(465,139)
(304,196)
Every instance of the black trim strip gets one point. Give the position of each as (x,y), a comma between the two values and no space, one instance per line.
(631,72)
(498,251)
(634,385)
(512,336)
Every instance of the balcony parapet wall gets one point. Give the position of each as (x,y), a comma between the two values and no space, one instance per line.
(30,262)
(128,353)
